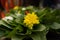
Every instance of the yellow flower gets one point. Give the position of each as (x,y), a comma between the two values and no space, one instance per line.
(16,8)
(30,26)
(31,19)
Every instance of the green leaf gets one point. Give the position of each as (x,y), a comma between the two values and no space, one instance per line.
(18,38)
(28,32)
(40,27)
(1,33)
(55,25)
(14,31)
(4,24)
(20,28)
(36,36)
(39,35)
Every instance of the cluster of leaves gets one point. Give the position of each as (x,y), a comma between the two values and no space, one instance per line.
(16,29)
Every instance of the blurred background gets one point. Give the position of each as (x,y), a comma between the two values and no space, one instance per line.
(37,3)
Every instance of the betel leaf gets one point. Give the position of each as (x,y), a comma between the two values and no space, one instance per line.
(55,25)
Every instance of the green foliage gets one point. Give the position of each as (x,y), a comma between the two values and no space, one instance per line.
(55,25)
(13,26)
